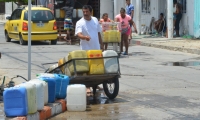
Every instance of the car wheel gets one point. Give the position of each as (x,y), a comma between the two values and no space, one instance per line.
(8,39)
(53,42)
(21,41)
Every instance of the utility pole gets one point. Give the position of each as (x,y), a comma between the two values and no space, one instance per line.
(138,15)
(170,18)
(115,8)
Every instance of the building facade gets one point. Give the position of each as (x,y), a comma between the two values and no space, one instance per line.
(189,24)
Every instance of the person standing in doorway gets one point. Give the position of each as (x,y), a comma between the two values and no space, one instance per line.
(130,12)
(177,16)
(88,30)
(68,24)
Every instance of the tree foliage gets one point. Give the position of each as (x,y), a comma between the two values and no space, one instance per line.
(18,2)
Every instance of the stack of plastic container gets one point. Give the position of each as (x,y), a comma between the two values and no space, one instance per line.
(111,32)
(35,100)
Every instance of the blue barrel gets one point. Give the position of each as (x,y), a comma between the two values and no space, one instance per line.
(62,81)
(51,88)
(15,101)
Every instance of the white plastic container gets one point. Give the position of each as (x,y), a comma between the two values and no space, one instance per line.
(45,85)
(80,13)
(110,64)
(56,108)
(74,13)
(31,97)
(34,116)
(76,97)
(39,94)
(57,11)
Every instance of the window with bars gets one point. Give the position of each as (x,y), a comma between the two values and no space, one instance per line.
(183,4)
(146,6)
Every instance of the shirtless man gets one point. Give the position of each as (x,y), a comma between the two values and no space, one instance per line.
(159,23)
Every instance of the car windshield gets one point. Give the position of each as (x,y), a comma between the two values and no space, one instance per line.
(39,15)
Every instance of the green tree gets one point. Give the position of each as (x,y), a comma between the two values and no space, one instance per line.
(18,2)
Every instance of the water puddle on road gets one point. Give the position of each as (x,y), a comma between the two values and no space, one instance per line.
(101,98)
(139,54)
(184,64)
(135,54)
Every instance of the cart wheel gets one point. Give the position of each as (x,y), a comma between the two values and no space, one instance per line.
(111,88)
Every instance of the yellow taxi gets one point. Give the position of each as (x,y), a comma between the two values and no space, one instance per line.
(43,25)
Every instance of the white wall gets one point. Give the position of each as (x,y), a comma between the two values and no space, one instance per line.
(160,6)
(119,4)
(106,6)
(146,17)
(9,8)
(188,18)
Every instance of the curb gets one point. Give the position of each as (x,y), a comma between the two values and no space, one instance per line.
(186,50)
(46,113)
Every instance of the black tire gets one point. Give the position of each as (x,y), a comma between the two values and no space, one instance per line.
(110,92)
(54,42)
(8,39)
(21,41)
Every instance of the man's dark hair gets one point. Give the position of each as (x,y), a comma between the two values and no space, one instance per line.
(122,10)
(162,14)
(175,1)
(87,7)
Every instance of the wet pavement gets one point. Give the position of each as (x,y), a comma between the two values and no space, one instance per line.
(131,105)
(184,64)
(149,90)
(99,108)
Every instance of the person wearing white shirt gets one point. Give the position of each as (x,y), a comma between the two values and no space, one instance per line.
(88,30)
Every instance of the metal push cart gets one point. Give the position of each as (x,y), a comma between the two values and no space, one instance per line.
(110,81)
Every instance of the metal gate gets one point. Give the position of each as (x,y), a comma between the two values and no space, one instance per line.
(2,8)
(196,19)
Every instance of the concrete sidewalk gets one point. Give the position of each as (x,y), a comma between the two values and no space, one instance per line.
(175,44)
(3,21)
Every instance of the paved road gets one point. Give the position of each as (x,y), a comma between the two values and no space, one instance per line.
(149,89)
